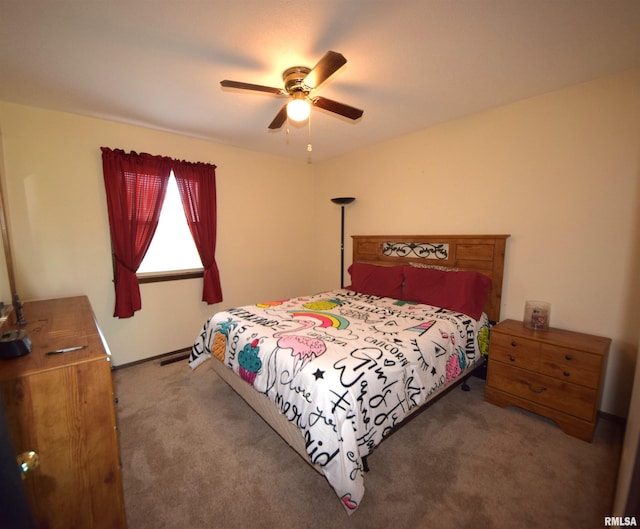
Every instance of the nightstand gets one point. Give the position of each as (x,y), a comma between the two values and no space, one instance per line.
(554,373)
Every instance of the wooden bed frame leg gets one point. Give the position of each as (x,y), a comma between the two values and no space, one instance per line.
(365,464)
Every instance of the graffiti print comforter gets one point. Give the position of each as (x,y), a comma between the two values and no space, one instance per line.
(344,367)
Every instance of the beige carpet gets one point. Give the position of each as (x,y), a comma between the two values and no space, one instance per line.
(194,456)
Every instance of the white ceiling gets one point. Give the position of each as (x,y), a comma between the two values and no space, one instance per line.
(411,63)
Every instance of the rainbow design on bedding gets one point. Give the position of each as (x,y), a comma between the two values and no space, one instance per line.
(326,319)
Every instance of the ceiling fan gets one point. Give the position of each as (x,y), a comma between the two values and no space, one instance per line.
(299,82)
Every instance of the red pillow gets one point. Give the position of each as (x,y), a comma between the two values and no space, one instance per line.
(375,280)
(461,291)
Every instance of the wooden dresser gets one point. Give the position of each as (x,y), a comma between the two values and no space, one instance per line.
(62,407)
(555,373)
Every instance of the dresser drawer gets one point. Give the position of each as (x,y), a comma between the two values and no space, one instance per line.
(515,351)
(571,365)
(572,399)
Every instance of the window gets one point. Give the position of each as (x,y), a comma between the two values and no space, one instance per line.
(172,253)
(135,186)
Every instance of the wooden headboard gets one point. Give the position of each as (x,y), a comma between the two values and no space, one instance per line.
(480,253)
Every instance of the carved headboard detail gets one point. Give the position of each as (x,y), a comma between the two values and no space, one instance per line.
(480,253)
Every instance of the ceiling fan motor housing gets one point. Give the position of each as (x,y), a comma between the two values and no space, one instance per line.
(294,79)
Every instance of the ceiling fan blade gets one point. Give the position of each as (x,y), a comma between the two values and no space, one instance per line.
(280,118)
(248,86)
(330,63)
(337,108)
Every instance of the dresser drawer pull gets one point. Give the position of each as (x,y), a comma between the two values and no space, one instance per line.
(568,357)
(512,358)
(513,343)
(540,390)
(566,374)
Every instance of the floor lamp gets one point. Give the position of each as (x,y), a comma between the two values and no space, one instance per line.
(342,202)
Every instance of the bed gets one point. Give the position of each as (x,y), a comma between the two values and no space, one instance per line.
(334,373)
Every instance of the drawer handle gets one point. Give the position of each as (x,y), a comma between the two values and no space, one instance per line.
(566,374)
(541,390)
(568,357)
(513,343)
(512,358)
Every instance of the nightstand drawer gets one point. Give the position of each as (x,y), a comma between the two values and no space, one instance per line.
(515,351)
(571,365)
(548,391)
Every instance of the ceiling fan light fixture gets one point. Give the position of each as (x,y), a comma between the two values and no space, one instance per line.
(299,82)
(298,109)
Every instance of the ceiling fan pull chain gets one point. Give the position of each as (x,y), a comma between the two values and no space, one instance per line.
(309,146)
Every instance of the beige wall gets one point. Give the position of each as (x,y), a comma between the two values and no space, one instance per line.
(60,233)
(558,172)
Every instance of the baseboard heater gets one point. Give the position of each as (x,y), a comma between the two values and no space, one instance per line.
(176,356)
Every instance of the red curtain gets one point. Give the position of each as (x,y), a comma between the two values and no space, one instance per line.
(197,186)
(135,185)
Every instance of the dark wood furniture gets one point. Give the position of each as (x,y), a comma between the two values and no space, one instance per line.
(62,407)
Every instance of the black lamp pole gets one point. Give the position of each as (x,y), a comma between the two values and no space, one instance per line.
(342,202)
